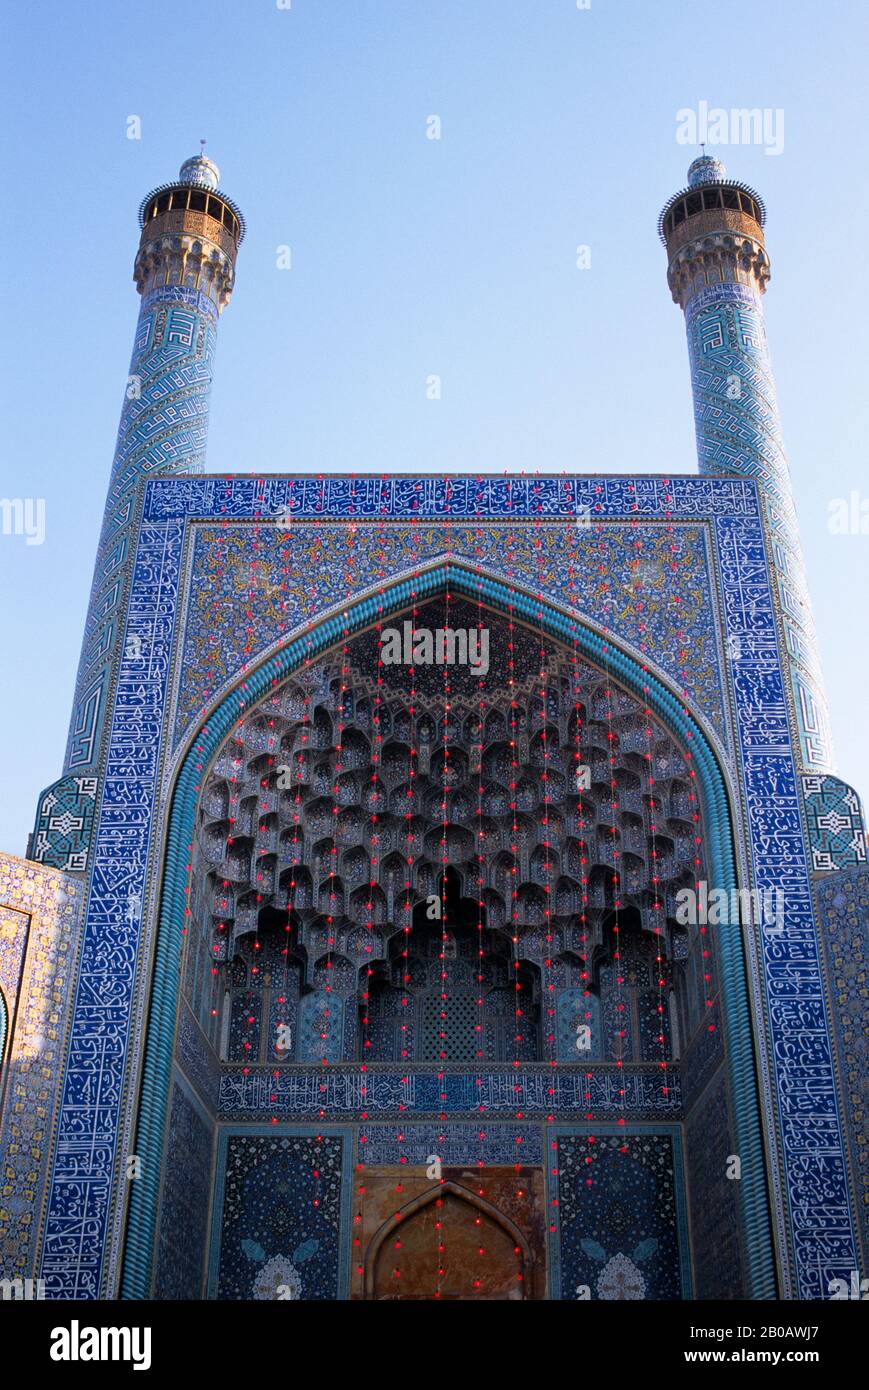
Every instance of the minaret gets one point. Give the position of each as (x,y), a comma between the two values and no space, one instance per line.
(718,272)
(184,271)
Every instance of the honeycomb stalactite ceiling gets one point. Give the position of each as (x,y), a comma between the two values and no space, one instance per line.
(285,819)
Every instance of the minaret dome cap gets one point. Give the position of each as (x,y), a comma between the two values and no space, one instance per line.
(706,169)
(200,170)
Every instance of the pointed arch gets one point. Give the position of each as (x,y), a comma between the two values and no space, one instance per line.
(439,1190)
(601,649)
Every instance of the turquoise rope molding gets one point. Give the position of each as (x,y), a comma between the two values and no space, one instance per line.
(154,1095)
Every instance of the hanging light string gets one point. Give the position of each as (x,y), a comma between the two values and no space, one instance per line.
(285,1040)
(274,995)
(331,840)
(299,770)
(548,1009)
(694,801)
(303,770)
(545,780)
(255,585)
(408,894)
(404,1029)
(515,985)
(656,911)
(261,810)
(621,998)
(368,949)
(480,859)
(212,994)
(338,769)
(708,955)
(374,837)
(217,969)
(440,1224)
(407,1037)
(677,557)
(314,672)
(581,783)
(307,750)
(405,899)
(301,775)
(223,948)
(363,1139)
(606,1051)
(376,792)
(268,879)
(368,971)
(304,759)
(253,1019)
(654,914)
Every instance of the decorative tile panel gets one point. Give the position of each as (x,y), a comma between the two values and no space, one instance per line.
(279,1210)
(837,827)
(40,919)
(620,1217)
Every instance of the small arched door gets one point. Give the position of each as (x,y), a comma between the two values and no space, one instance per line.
(451,1244)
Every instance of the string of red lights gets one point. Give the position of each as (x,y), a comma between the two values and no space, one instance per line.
(480,833)
(443,1055)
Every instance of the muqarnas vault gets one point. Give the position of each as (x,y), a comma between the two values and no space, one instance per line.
(330,977)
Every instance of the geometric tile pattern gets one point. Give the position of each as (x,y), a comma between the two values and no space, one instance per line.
(64,820)
(185,1201)
(807,1161)
(197,1060)
(164,424)
(843,914)
(718,1263)
(837,829)
(739,431)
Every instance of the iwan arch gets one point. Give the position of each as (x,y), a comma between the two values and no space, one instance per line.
(267,1046)
(539,1056)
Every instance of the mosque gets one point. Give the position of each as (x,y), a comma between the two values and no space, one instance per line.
(347,959)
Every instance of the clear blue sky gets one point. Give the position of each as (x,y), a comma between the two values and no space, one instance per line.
(412,257)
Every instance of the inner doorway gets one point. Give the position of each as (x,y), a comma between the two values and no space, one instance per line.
(465,1236)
